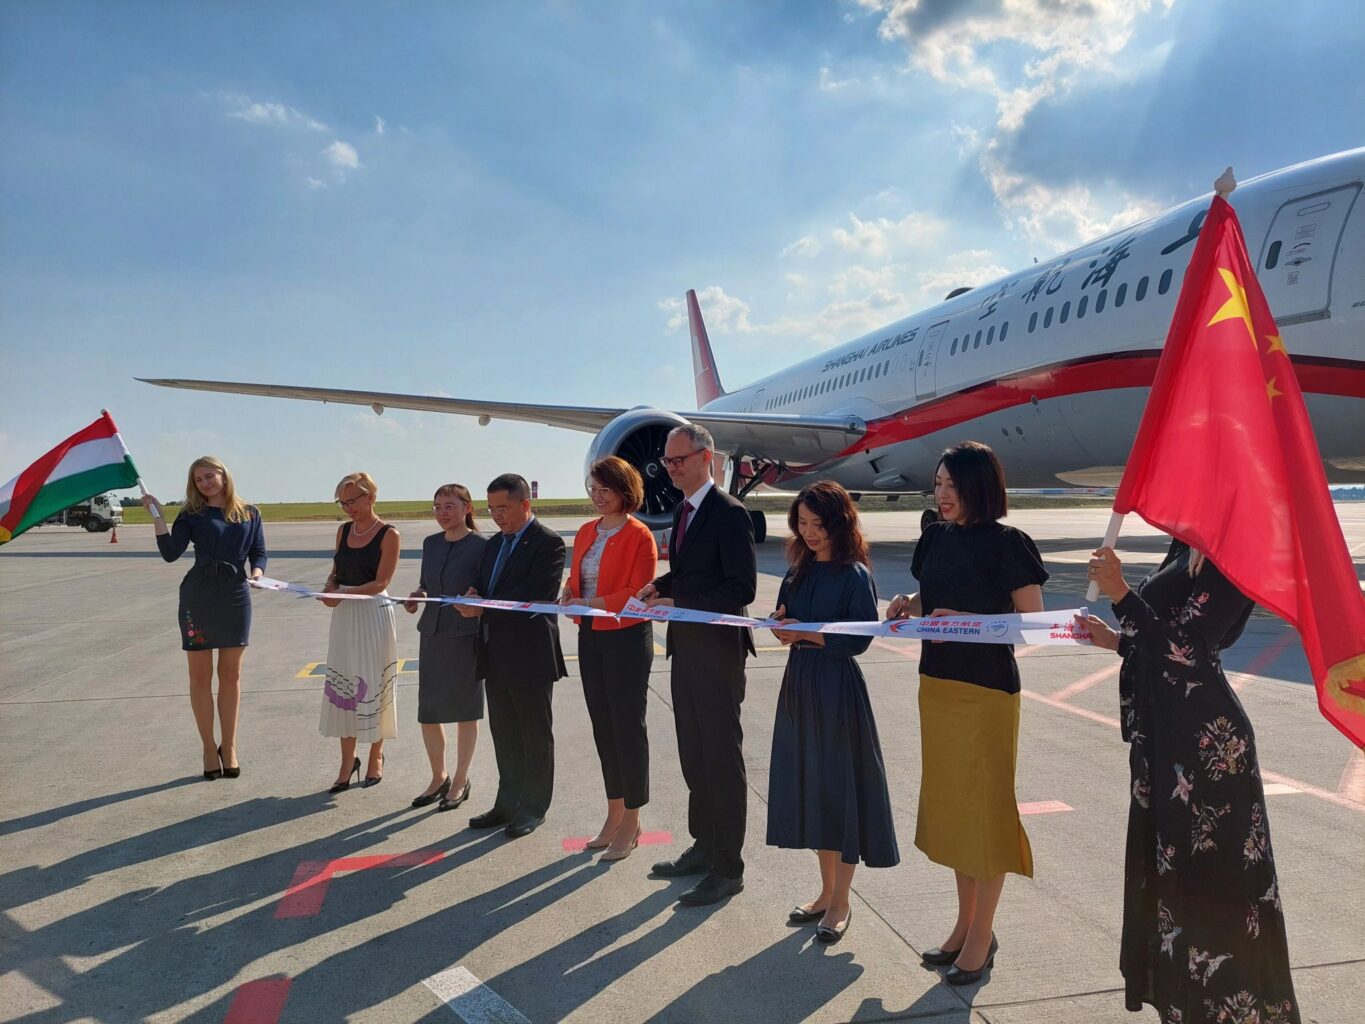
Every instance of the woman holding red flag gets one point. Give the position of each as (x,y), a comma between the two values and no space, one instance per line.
(1203,929)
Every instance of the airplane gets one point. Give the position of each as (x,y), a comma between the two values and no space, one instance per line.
(1051,365)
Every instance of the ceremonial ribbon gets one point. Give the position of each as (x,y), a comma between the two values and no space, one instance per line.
(1031,628)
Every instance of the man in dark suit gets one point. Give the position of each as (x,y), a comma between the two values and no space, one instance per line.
(519,656)
(713,567)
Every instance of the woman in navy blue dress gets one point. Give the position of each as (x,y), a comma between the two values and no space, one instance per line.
(215,600)
(827,785)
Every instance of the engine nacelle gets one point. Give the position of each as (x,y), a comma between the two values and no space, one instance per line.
(638,436)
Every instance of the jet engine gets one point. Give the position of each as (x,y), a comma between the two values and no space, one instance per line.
(638,435)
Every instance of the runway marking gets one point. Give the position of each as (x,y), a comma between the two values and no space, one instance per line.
(318,669)
(308,889)
(576,844)
(1080,685)
(259,1002)
(1279,789)
(471,1000)
(1045,807)
(1262,661)
(1352,784)
(1349,803)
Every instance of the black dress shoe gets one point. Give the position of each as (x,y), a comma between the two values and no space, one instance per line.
(799,915)
(449,803)
(957,976)
(692,862)
(374,780)
(523,827)
(712,889)
(829,936)
(489,819)
(229,773)
(427,799)
(939,957)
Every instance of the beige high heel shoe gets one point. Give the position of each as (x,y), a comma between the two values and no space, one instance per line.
(627,851)
(598,843)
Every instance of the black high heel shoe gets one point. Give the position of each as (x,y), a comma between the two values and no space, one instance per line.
(939,957)
(228,773)
(337,787)
(957,976)
(373,780)
(426,799)
(449,803)
(214,773)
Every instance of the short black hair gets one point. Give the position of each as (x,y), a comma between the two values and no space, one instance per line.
(514,484)
(979,478)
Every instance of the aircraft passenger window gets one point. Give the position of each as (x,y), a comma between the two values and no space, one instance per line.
(1066,311)
(1080,306)
(1099,301)
(1141,292)
(1032,322)
(1164,285)
(990,335)
(1004,329)
(1120,295)
(952,351)
(1047,318)
(886,366)
(1273,256)
(976,343)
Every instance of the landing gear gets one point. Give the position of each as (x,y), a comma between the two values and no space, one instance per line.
(760,526)
(927,517)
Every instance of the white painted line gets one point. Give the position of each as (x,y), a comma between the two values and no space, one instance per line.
(1279,789)
(471,1000)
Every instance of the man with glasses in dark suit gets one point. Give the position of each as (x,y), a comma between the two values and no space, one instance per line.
(519,656)
(713,567)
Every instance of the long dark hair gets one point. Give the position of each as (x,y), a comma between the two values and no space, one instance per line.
(838,518)
(980,481)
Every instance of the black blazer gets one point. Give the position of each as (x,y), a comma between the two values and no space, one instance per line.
(713,566)
(517,646)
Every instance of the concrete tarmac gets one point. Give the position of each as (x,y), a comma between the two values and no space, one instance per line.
(132,890)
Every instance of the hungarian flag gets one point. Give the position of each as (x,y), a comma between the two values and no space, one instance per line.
(1225,460)
(89,462)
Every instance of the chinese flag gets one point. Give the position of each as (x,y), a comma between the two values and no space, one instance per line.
(1225,460)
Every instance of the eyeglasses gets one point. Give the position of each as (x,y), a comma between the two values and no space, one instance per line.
(350,503)
(677,461)
(599,492)
(454,507)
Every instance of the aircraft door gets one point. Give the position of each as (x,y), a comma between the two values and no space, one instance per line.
(757,404)
(928,352)
(1296,260)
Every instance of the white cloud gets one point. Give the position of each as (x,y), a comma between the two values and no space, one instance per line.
(880,237)
(268,112)
(315,183)
(379,125)
(342,154)
(807,245)
(975,46)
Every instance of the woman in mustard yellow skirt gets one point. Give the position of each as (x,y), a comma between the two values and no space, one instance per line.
(968,562)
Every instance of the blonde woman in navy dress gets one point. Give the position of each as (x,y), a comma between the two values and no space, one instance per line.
(215,600)
(359,695)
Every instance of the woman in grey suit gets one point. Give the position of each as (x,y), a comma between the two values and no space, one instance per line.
(448,685)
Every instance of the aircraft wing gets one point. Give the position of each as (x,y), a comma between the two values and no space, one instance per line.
(790,439)
(573,417)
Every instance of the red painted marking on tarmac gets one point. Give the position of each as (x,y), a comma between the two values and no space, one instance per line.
(1080,685)
(1045,807)
(1352,784)
(259,1002)
(1263,661)
(1349,802)
(308,889)
(577,844)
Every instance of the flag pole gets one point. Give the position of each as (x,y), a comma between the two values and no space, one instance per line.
(153,508)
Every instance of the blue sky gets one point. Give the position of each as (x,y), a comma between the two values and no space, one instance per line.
(508,201)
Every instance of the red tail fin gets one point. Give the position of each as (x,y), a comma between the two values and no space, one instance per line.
(704,373)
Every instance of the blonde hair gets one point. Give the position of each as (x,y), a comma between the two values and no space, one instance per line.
(1196,562)
(362,482)
(235,510)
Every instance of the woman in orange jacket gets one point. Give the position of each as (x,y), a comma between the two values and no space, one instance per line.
(613,557)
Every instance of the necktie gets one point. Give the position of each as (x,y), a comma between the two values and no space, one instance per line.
(508,539)
(683,519)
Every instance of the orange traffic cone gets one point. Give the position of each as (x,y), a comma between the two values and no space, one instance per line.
(113,535)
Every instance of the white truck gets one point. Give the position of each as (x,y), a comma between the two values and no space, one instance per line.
(98,515)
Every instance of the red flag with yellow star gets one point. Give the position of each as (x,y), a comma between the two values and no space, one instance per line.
(1225,460)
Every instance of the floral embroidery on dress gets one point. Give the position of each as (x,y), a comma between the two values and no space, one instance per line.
(1204,822)
(1202,965)
(1142,787)
(1278,1013)
(1183,786)
(1221,750)
(1127,627)
(1257,845)
(1254,921)
(1181,655)
(1190,684)
(1174,1016)
(1193,609)
(1242,1009)
(1167,928)
(1272,895)
(194,636)
(1164,853)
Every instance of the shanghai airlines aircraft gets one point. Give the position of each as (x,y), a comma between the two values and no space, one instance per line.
(1051,366)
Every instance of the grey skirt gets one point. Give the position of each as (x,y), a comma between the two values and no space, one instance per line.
(448,686)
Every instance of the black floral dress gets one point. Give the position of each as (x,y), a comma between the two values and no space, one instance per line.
(1203,930)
